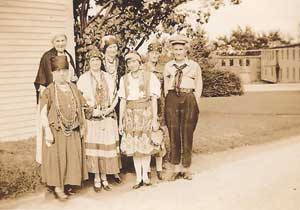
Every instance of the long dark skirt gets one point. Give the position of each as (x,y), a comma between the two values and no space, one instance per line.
(62,162)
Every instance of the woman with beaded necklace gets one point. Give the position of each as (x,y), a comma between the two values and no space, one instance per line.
(102,141)
(113,64)
(63,129)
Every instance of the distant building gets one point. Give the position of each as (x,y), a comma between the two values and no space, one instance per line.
(246,66)
(281,64)
(26,29)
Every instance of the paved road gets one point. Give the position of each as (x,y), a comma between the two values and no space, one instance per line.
(263,177)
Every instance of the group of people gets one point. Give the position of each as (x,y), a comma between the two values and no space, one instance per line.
(86,122)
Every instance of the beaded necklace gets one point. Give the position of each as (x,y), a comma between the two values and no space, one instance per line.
(67,124)
(111,67)
(113,73)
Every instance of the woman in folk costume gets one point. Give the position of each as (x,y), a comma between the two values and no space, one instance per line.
(102,141)
(113,64)
(139,90)
(62,123)
(44,77)
(153,65)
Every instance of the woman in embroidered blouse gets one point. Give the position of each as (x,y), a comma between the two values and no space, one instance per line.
(62,123)
(139,90)
(102,141)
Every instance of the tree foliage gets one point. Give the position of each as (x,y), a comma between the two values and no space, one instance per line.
(247,39)
(201,49)
(132,21)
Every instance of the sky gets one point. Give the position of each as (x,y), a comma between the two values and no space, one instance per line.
(261,15)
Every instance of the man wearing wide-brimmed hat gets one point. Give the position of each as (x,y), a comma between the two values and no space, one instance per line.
(183,88)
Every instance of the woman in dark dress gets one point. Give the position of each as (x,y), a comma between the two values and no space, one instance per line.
(62,124)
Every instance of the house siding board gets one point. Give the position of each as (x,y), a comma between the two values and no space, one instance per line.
(26,29)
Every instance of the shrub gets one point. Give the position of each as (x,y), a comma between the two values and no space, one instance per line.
(220,84)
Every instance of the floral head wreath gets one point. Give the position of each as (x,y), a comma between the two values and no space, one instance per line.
(95,53)
(155,46)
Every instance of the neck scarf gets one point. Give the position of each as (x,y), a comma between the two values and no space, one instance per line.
(178,77)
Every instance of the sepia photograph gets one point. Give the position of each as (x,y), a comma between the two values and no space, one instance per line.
(149,104)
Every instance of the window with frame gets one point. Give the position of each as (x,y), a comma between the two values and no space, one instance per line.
(282,54)
(294,54)
(231,62)
(287,54)
(247,62)
(294,73)
(241,62)
(287,73)
(223,63)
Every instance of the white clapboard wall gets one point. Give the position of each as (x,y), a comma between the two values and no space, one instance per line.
(26,29)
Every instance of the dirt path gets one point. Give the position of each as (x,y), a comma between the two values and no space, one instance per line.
(263,177)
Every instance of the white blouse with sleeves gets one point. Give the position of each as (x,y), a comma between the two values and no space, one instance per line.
(88,87)
(134,90)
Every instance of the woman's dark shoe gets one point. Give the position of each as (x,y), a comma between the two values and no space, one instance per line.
(147,183)
(117,180)
(97,189)
(159,175)
(188,175)
(50,189)
(137,186)
(60,195)
(69,191)
(97,186)
(106,186)
(174,176)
